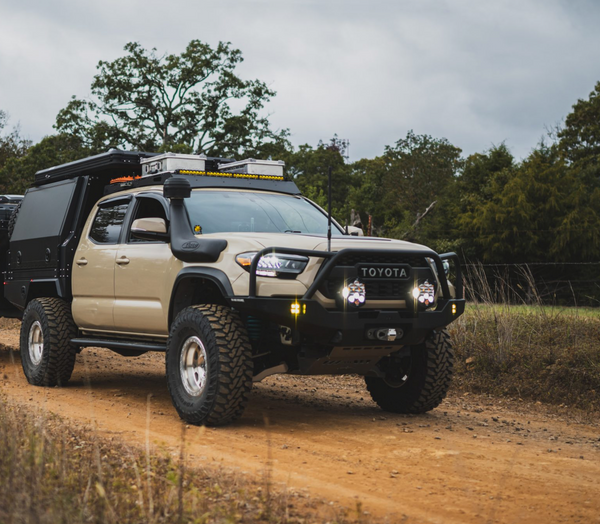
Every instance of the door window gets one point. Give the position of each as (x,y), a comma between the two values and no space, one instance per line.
(108,223)
(146,208)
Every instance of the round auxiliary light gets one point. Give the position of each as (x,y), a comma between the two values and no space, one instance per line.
(354,293)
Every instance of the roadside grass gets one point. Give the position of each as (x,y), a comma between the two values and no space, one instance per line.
(564,311)
(52,472)
(531,351)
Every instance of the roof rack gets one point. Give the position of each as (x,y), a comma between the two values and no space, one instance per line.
(118,170)
(210,180)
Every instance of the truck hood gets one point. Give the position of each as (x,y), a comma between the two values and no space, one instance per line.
(338,244)
(318,242)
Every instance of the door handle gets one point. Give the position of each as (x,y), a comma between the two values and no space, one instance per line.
(82,262)
(122,261)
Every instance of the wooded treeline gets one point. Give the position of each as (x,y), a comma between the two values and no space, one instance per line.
(489,207)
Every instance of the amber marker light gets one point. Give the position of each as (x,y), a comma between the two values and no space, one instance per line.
(454,309)
(295,308)
(245,260)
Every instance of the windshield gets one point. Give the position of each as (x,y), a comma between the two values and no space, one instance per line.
(233,211)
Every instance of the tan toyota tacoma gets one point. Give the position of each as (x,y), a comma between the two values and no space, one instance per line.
(229,270)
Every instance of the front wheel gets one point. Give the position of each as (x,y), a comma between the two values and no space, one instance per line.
(417,382)
(47,355)
(209,365)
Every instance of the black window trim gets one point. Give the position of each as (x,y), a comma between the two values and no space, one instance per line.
(106,203)
(131,213)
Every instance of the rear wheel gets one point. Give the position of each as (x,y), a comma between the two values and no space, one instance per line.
(47,355)
(417,382)
(209,365)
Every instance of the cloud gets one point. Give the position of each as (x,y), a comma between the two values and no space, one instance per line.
(474,72)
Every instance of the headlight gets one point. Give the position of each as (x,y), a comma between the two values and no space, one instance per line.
(274,264)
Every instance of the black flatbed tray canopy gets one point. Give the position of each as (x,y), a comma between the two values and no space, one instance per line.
(112,164)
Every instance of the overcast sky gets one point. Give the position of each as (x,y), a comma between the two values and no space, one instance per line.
(477,72)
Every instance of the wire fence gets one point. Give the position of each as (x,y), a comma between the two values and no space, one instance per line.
(553,283)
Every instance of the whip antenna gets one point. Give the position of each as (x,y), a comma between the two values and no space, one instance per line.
(329,211)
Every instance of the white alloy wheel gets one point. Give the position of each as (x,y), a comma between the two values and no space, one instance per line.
(36,343)
(193,366)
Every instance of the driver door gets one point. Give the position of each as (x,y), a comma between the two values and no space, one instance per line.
(144,275)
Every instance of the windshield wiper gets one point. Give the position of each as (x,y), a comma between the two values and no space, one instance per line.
(291,231)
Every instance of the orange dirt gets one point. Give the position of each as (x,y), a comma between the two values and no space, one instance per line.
(474,459)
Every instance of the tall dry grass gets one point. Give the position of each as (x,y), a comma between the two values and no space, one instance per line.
(51,472)
(509,342)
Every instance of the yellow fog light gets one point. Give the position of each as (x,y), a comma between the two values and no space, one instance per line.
(454,309)
(295,308)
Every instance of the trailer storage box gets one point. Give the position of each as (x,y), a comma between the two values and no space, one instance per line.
(250,166)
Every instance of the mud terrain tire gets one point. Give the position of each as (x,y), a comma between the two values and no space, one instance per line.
(209,365)
(427,372)
(47,355)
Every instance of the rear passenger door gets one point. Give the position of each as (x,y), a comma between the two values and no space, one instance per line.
(93,282)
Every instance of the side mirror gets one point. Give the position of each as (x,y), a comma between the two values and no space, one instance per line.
(152,229)
(355,231)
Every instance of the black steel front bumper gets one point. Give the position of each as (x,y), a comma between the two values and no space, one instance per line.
(350,327)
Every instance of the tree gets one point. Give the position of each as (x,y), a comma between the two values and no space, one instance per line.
(580,136)
(309,167)
(18,173)
(483,175)
(399,187)
(11,145)
(579,144)
(518,222)
(182,103)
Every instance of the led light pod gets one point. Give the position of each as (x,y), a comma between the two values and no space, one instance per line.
(353,294)
(424,293)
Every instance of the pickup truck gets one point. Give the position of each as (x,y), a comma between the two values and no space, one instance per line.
(226,268)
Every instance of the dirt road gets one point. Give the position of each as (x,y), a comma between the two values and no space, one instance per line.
(474,459)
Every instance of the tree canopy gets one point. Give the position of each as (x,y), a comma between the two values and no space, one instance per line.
(191,102)
(580,136)
(12,145)
(488,206)
(406,184)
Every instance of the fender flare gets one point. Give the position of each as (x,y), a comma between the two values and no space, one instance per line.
(216,276)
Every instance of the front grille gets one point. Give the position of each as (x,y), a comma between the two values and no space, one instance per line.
(352,259)
(378,289)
